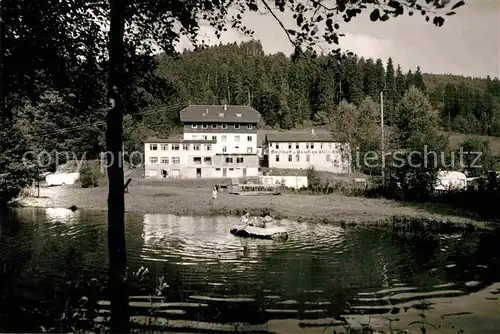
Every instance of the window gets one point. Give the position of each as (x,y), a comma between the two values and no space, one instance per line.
(164,160)
(224,149)
(296,146)
(307,146)
(153,160)
(289,146)
(176,160)
(321,145)
(196,147)
(277,158)
(205,137)
(194,126)
(239,160)
(224,138)
(153,147)
(297,158)
(175,147)
(236,126)
(312,146)
(214,126)
(204,126)
(217,169)
(249,138)
(236,147)
(221,114)
(277,146)
(328,157)
(249,126)
(237,138)
(185,147)
(249,150)
(229,160)
(290,158)
(207,160)
(208,147)
(223,126)
(231,169)
(307,158)
(197,160)
(214,138)
(164,147)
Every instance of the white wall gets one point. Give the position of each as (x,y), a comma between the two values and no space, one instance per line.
(289,181)
(322,156)
(235,172)
(232,146)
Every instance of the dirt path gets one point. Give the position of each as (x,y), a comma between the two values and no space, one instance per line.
(193,201)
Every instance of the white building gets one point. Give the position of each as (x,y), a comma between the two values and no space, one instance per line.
(218,141)
(303,150)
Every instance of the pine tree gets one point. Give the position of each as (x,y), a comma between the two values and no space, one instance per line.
(409,80)
(369,79)
(418,80)
(379,75)
(400,83)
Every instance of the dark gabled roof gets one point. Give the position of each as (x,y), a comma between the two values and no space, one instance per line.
(219,114)
(179,141)
(298,137)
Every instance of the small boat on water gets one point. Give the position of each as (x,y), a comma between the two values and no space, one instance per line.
(271,232)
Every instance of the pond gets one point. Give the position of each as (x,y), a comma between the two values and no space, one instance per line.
(321,271)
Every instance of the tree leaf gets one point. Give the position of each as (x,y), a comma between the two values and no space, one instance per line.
(375,14)
(458,4)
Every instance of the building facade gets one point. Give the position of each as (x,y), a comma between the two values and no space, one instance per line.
(218,141)
(302,150)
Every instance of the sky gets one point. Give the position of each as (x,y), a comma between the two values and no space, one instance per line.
(467,44)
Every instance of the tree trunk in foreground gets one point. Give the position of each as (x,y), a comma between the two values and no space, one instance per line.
(116,201)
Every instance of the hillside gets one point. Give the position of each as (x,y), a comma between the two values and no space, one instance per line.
(434,81)
(296,93)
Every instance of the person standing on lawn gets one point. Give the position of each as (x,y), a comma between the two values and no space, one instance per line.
(214,193)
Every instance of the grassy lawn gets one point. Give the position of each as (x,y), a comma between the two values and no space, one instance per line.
(162,198)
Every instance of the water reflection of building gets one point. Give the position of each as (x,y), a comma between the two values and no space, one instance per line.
(61,215)
(194,239)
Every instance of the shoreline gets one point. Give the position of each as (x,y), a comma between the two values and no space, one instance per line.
(330,209)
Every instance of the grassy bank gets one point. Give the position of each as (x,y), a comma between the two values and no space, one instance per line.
(166,198)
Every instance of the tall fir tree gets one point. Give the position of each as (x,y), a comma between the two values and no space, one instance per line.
(418,80)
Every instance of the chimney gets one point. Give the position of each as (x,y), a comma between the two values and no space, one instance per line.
(312,132)
(207,111)
(225,107)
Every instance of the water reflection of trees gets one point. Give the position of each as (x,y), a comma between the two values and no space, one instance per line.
(428,258)
(43,249)
(40,258)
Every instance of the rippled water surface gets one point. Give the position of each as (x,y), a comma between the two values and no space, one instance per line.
(320,271)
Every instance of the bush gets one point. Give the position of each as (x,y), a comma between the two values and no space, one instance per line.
(89,176)
(313,179)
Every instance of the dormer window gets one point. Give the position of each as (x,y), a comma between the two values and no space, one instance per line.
(221,114)
(204,126)
(236,126)
(194,126)
(223,126)
(249,126)
(238,115)
(214,126)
